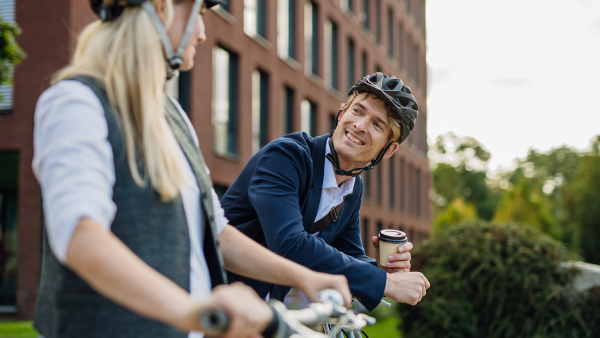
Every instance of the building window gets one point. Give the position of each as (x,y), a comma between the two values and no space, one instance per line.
(418,192)
(408,6)
(416,65)
(254,18)
(351,76)
(392,183)
(347,5)
(7,12)
(379,227)
(378,21)
(365,234)
(379,185)
(9,164)
(332,118)
(183,91)
(400,45)
(402,186)
(288,106)
(308,117)
(331,54)
(363,67)
(366,15)
(224,101)
(220,190)
(311,32)
(285,29)
(367,184)
(260,109)
(390,33)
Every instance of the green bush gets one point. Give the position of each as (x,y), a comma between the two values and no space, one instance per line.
(496,280)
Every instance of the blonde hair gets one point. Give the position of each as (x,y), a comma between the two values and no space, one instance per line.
(395,124)
(126,55)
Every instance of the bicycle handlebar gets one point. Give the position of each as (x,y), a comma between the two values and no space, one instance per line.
(295,323)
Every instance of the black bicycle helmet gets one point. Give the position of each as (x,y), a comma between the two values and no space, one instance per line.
(399,97)
(109,10)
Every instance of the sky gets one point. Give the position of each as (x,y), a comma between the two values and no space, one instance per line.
(514,74)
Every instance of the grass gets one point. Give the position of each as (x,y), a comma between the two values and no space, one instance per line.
(385,328)
(21,329)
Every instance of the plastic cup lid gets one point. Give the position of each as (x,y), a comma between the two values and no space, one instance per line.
(391,235)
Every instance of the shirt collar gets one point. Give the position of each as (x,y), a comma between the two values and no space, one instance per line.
(329,176)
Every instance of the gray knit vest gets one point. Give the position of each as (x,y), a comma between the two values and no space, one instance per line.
(156,231)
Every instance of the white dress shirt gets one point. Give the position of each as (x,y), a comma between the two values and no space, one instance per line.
(73,161)
(332,195)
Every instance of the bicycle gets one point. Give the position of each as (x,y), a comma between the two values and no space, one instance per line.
(327,310)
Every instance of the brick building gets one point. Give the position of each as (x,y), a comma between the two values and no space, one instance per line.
(268,67)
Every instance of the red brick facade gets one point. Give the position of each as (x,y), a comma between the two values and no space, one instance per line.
(50,30)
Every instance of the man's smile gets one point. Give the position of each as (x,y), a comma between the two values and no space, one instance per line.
(354,138)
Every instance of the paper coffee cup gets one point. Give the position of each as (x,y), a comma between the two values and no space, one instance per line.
(389,241)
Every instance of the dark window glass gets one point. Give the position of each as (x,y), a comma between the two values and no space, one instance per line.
(184,91)
(233,103)
(379,185)
(378,21)
(402,185)
(220,190)
(292,29)
(418,192)
(364,69)
(226,6)
(351,79)
(9,179)
(261,27)
(390,33)
(332,118)
(367,14)
(367,184)
(315,39)
(392,183)
(400,45)
(263,118)
(334,55)
(379,227)
(365,234)
(289,110)
(408,6)
(350,5)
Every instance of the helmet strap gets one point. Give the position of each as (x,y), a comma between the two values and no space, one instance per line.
(173,58)
(333,158)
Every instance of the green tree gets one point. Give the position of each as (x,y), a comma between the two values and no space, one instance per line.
(460,171)
(10,53)
(524,204)
(456,212)
(586,195)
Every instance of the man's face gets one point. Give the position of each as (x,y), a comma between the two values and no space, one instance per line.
(362,132)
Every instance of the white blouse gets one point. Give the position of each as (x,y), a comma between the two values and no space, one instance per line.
(73,161)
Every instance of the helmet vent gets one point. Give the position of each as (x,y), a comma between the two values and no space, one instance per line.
(391,85)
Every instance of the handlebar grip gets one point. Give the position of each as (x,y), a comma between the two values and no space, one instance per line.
(214,322)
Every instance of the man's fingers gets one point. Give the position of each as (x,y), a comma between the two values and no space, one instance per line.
(406,247)
(398,265)
(375,241)
(400,257)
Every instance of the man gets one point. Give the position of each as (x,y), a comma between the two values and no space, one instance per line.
(289,196)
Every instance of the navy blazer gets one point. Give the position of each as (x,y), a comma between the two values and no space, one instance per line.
(275,201)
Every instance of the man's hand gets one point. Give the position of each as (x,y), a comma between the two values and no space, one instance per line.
(406,287)
(398,262)
(316,282)
(249,315)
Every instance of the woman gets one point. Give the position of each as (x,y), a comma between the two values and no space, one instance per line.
(112,152)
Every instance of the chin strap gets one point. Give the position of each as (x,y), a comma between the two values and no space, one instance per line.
(333,158)
(174,58)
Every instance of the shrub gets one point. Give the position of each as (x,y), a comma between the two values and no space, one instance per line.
(494,280)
